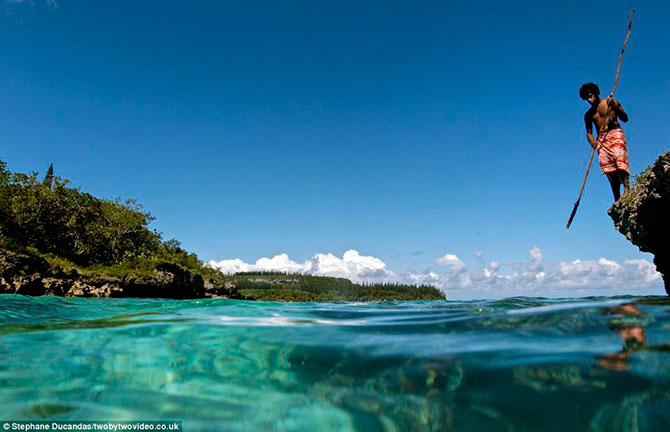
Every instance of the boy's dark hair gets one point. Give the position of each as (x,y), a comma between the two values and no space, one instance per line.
(589,88)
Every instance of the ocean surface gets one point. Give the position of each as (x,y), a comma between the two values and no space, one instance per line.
(519,364)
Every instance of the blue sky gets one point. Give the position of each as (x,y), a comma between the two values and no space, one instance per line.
(405,131)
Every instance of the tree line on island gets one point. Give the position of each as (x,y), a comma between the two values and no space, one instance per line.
(301,287)
(49,218)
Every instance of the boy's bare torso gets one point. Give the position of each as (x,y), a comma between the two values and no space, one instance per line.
(604,115)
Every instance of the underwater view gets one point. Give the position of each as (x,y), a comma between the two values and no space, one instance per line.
(521,364)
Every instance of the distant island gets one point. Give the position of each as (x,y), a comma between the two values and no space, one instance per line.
(307,288)
(57,240)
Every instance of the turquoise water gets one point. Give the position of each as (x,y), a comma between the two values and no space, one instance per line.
(518,364)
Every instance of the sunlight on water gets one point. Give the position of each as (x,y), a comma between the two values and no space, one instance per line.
(600,364)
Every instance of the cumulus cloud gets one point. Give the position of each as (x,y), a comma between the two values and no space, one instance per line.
(280,263)
(535,255)
(493,279)
(538,278)
(582,273)
(452,261)
(425,278)
(644,270)
(352,265)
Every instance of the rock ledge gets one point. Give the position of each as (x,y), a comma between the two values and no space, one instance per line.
(643,215)
(31,275)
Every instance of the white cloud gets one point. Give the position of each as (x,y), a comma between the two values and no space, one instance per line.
(452,261)
(352,265)
(602,272)
(644,270)
(426,278)
(493,280)
(535,255)
(538,278)
(281,263)
(230,266)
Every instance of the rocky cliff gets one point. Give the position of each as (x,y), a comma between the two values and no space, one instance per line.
(643,215)
(32,275)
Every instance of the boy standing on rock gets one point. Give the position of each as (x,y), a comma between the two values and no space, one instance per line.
(611,142)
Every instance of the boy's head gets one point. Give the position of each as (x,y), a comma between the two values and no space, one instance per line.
(589,89)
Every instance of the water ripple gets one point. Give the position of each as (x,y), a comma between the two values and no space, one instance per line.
(224,364)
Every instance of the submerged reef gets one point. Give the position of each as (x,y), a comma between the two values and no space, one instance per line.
(643,214)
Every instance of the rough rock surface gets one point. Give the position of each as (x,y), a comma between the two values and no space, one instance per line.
(643,215)
(30,275)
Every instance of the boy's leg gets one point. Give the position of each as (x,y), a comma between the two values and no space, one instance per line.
(615,184)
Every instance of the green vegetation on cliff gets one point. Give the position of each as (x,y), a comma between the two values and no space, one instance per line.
(71,229)
(74,229)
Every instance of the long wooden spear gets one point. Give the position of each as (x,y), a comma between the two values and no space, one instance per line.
(593,152)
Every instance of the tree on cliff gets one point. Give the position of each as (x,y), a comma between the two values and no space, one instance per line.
(55,218)
(49,178)
(4,174)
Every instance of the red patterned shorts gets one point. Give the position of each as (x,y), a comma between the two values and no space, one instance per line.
(612,152)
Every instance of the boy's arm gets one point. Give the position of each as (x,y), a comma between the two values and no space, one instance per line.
(618,109)
(588,122)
